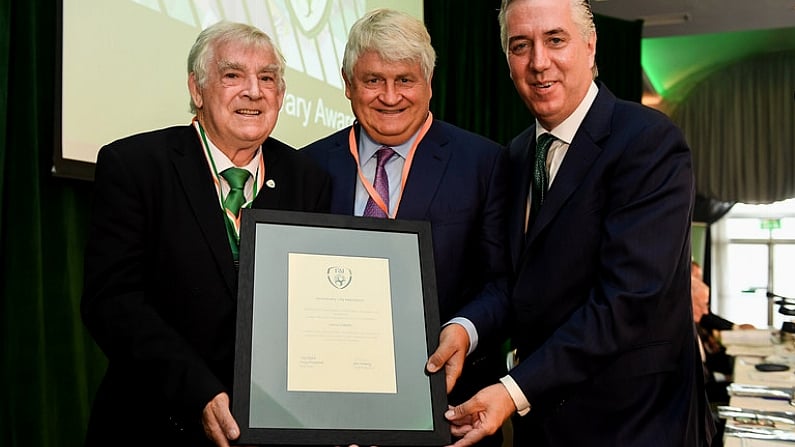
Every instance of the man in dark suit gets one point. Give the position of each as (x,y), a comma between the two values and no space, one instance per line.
(435,171)
(600,309)
(160,266)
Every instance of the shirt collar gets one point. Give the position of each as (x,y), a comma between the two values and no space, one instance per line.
(222,162)
(565,131)
(368,147)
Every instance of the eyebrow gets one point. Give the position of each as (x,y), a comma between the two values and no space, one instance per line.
(552,32)
(225,64)
(270,68)
(555,31)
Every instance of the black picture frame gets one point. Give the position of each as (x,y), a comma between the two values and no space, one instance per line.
(266,411)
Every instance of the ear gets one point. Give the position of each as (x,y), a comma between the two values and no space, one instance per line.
(280,98)
(347,85)
(592,49)
(195,92)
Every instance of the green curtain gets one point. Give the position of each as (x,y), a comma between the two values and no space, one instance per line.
(740,122)
(471,86)
(618,56)
(50,367)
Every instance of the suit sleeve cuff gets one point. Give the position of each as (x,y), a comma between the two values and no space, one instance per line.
(518,397)
(471,331)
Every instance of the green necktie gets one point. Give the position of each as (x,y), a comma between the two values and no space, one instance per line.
(540,177)
(236,177)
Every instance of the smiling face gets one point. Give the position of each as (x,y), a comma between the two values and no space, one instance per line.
(239,103)
(550,60)
(390,99)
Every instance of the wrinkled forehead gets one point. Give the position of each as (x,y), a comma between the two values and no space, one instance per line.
(245,59)
(549,16)
(239,51)
(247,65)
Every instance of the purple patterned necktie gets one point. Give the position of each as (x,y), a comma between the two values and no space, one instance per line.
(381,184)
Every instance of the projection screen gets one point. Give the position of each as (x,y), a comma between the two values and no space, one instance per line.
(124,66)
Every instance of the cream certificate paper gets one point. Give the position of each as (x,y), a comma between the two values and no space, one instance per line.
(339,325)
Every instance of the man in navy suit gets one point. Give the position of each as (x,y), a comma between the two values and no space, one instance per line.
(435,171)
(160,274)
(600,311)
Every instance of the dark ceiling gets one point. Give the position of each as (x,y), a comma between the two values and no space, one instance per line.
(665,18)
(685,40)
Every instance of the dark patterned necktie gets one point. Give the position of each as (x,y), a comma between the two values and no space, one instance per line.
(540,176)
(380,183)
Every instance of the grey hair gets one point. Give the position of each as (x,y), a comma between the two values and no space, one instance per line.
(202,51)
(581,14)
(396,36)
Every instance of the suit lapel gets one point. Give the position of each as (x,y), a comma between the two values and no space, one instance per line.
(521,168)
(343,165)
(194,176)
(268,197)
(582,153)
(579,159)
(425,176)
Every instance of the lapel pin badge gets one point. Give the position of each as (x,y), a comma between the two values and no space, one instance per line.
(270,184)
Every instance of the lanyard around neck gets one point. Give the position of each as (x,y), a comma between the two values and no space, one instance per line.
(259,176)
(406,167)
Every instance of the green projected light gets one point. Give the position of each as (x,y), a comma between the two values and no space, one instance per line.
(674,64)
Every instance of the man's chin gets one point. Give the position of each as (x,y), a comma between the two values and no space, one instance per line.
(253,135)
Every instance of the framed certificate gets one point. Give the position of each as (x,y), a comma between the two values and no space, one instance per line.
(336,318)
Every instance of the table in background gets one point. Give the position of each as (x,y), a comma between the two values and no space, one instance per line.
(750,348)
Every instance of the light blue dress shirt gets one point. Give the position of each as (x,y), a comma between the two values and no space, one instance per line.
(394,170)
